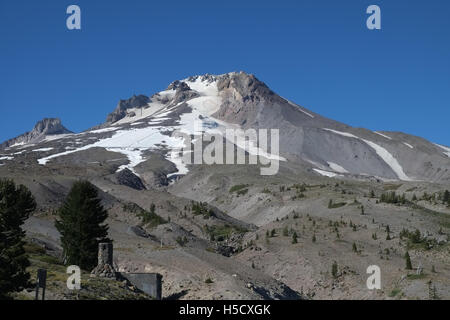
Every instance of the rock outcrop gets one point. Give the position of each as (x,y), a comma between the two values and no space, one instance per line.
(42,129)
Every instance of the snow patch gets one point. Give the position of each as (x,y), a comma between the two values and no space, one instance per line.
(383,135)
(345,134)
(300,108)
(408,145)
(388,158)
(6,158)
(58,136)
(326,173)
(447,149)
(42,149)
(336,167)
(103,130)
(128,142)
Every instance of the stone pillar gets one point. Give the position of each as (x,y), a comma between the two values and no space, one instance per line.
(105,261)
(105,253)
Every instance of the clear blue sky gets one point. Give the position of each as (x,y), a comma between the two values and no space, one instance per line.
(317,53)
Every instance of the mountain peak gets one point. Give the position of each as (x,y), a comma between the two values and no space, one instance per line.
(49,126)
(43,128)
(243,86)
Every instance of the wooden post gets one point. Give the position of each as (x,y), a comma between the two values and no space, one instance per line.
(41,283)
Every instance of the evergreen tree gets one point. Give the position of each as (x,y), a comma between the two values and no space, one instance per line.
(80,225)
(294,238)
(314,238)
(334,269)
(152,208)
(408,261)
(16,204)
(446,198)
(354,248)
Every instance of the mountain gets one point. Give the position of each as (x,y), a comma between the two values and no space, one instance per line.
(43,129)
(323,146)
(228,224)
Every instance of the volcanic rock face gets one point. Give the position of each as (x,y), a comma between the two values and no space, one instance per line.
(120,112)
(43,128)
(127,178)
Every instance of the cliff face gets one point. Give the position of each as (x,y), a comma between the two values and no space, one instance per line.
(123,105)
(43,128)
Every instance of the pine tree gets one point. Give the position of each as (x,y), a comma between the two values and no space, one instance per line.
(16,204)
(314,238)
(294,238)
(80,224)
(334,269)
(152,208)
(446,198)
(354,248)
(408,261)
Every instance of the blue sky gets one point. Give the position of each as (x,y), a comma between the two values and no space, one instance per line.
(318,53)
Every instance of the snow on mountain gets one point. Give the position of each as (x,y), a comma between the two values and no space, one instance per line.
(389,159)
(336,167)
(215,103)
(345,134)
(326,173)
(447,149)
(382,152)
(408,145)
(383,135)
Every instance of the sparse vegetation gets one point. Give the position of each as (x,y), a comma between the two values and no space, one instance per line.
(394,292)
(149,218)
(240,189)
(392,197)
(209,281)
(182,241)
(222,232)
